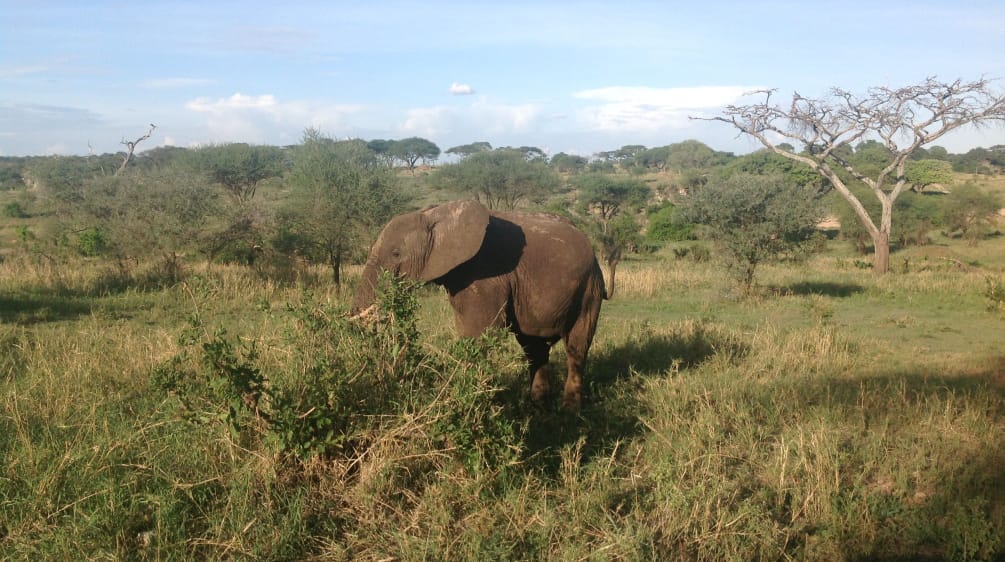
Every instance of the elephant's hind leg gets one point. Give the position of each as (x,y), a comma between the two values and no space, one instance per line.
(537,350)
(577,345)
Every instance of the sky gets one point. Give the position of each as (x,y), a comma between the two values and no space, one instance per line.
(576,77)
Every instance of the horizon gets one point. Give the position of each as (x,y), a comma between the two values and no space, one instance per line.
(573,77)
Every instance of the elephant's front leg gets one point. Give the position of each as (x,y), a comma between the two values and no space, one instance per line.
(537,350)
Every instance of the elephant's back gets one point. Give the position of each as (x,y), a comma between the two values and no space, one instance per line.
(553,244)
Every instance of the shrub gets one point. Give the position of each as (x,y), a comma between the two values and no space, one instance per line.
(348,386)
(92,242)
(666,224)
(15,210)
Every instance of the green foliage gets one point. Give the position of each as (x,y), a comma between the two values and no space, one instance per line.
(346,385)
(15,210)
(970,212)
(469,149)
(501,179)
(239,167)
(925,172)
(608,195)
(767,162)
(156,216)
(667,224)
(92,242)
(994,291)
(569,163)
(915,216)
(411,150)
(754,219)
(340,192)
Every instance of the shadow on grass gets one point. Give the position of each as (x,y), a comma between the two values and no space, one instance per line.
(35,308)
(823,288)
(612,409)
(951,511)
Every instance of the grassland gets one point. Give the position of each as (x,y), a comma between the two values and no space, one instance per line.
(836,416)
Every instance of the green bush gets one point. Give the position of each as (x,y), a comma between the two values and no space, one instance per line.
(15,210)
(92,242)
(347,386)
(666,224)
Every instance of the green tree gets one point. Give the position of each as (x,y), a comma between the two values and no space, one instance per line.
(653,158)
(693,154)
(501,179)
(927,172)
(754,219)
(568,163)
(413,149)
(610,203)
(971,212)
(904,119)
(465,150)
(159,216)
(340,193)
(239,167)
(606,196)
(668,224)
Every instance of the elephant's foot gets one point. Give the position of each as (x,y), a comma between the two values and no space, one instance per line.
(540,387)
(571,401)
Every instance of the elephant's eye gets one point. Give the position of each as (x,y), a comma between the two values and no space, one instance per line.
(395,253)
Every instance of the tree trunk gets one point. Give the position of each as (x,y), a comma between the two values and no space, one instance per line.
(336,264)
(881,257)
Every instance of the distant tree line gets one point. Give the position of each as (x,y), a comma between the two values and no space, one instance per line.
(323,200)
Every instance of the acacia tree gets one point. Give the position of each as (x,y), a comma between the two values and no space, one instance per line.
(413,149)
(754,219)
(903,119)
(501,179)
(339,193)
(604,197)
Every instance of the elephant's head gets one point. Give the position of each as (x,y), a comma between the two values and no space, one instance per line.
(424,245)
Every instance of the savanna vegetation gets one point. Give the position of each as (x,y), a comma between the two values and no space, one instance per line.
(178,378)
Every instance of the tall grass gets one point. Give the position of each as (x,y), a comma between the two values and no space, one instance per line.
(802,424)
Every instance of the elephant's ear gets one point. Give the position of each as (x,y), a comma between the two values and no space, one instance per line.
(457,230)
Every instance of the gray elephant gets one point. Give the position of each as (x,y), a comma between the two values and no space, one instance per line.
(533,273)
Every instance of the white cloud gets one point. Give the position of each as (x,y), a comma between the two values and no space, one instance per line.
(482,117)
(266,119)
(620,108)
(461,89)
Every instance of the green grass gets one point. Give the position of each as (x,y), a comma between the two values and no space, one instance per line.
(834,416)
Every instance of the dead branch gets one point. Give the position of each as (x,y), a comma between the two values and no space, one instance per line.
(131,146)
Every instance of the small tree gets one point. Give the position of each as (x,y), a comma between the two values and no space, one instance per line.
(240,168)
(466,150)
(605,199)
(754,219)
(340,192)
(928,172)
(971,212)
(158,215)
(902,119)
(413,149)
(501,179)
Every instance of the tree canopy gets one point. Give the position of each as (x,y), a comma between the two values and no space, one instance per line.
(899,120)
(501,179)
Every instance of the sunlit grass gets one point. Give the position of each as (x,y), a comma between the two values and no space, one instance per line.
(834,415)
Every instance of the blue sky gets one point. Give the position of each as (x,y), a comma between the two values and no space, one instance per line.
(577,77)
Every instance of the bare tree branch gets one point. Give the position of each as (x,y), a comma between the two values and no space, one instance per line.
(904,119)
(131,146)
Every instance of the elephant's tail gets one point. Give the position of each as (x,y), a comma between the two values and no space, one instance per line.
(612,266)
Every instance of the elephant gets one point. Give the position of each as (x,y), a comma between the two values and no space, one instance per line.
(533,273)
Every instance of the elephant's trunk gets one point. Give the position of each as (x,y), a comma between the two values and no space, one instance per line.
(366,291)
